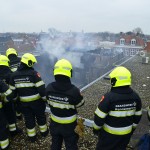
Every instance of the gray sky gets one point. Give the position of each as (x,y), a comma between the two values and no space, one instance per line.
(75,15)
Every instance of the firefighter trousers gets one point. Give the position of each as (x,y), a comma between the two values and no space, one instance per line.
(63,132)
(4,141)
(107,141)
(34,111)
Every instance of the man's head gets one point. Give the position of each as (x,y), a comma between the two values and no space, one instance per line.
(120,76)
(4,61)
(11,51)
(28,59)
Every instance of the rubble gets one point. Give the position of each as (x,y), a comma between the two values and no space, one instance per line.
(92,95)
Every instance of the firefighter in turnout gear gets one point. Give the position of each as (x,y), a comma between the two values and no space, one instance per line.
(5,74)
(118,112)
(63,98)
(4,138)
(14,62)
(31,91)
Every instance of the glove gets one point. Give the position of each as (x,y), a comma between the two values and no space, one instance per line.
(96,132)
(79,129)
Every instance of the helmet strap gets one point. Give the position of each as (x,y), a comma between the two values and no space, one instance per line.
(30,63)
(113,81)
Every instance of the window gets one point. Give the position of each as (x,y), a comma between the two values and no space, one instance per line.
(133,42)
(122,41)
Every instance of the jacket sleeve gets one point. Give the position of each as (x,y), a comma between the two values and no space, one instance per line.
(9,95)
(40,85)
(138,112)
(101,112)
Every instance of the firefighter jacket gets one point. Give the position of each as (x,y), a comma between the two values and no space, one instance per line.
(28,84)
(14,62)
(4,89)
(63,99)
(119,111)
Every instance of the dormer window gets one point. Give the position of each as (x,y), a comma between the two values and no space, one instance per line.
(133,42)
(122,41)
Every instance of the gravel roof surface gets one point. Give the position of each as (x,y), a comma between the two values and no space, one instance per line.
(92,95)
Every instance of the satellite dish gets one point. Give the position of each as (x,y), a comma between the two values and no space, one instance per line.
(142,53)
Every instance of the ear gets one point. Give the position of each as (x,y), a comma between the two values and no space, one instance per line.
(30,63)
(113,81)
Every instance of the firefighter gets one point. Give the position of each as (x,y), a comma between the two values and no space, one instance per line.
(5,75)
(14,62)
(4,138)
(118,112)
(31,91)
(63,98)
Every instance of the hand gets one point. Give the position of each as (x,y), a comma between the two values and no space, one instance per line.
(95,132)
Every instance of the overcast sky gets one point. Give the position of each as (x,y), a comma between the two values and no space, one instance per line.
(75,15)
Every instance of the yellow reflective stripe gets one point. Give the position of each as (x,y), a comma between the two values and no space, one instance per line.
(81,103)
(138,113)
(61,106)
(99,113)
(12,87)
(122,113)
(63,120)
(12,127)
(1,105)
(43,128)
(8,92)
(134,125)
(30,98)
(22,85)
(96,126)
(117,130)
(31,132)
(39,83)
(4,143)
(13,69)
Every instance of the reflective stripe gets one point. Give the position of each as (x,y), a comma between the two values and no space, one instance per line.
(134,125)
(8,92)
(12,87)
(61,106)
(96,126)
(43,128)
(31,132)
(63,120)
(122,113)
(39,83)
(22,85)
(1,105)
(29,98)
(99,113)
(138,113)
(12,127)
(4,143)
(117,131)
(13,69)
(80,104)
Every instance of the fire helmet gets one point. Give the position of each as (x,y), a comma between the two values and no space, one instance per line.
(4,61)
(120,76)
(11,51)
(63,67)
(28,59)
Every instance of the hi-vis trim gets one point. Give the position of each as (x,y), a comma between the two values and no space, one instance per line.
(117,131)
(13,69)
(138,113)
(122,113)
(43,128)
(4,143)
(81,103)
(1,105)
(12,127)
(95,126)
(22,85)
(12,87)
(99,113)
(38,84)
(134,125)
(8,92)
(29,98)
(63,120)
(31,132)
(61,106)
